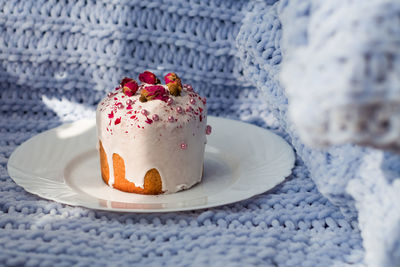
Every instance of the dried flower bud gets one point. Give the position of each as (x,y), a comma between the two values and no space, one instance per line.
(153,92)
(148,77)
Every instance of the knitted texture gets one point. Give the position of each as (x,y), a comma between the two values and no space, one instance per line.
(59,59)
(363,182)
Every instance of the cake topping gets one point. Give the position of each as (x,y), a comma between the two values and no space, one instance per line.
(174,83)
(183,146)
(170,101)
(129,86)
(148,77)
(208,130)
(122,105)
(188,87)
(153,92)
(124,81)
(148,121)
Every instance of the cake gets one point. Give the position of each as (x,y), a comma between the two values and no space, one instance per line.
(152,136)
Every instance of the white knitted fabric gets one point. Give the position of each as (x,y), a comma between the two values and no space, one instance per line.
(341,72)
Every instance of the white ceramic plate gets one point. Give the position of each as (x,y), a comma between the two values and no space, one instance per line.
(62,164)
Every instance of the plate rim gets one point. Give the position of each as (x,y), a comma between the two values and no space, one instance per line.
(13,173)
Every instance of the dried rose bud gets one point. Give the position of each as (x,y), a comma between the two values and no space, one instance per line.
(124,81)
(170,77)
(153,92)
(148,77)
(142,98)
(130,88)
(174,83)
(175,87)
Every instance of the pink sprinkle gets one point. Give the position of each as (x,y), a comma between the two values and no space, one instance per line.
(179,110)
(129,102)
(171,119)
(170,101)
(155,117)
(144,112)
(192,101)
(189,109)
(183,146)
(117,121)
(110,94)
(120,106)
(208,130)
(188,87)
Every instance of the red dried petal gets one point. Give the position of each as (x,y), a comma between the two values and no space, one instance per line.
(125,80)
(117,121)
(132,85)
(111,115)
(149,121)
(127,91)
(148,77)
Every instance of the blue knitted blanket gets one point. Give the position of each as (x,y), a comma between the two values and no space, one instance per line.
(339,207)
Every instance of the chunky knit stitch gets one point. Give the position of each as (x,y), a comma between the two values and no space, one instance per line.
(362,182)
(59,59)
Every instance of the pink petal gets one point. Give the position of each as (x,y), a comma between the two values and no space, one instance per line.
(148,77)
(125,80)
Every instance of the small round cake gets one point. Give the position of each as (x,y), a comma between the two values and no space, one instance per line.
(151,135)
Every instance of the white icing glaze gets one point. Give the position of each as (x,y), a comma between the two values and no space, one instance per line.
(145,144)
